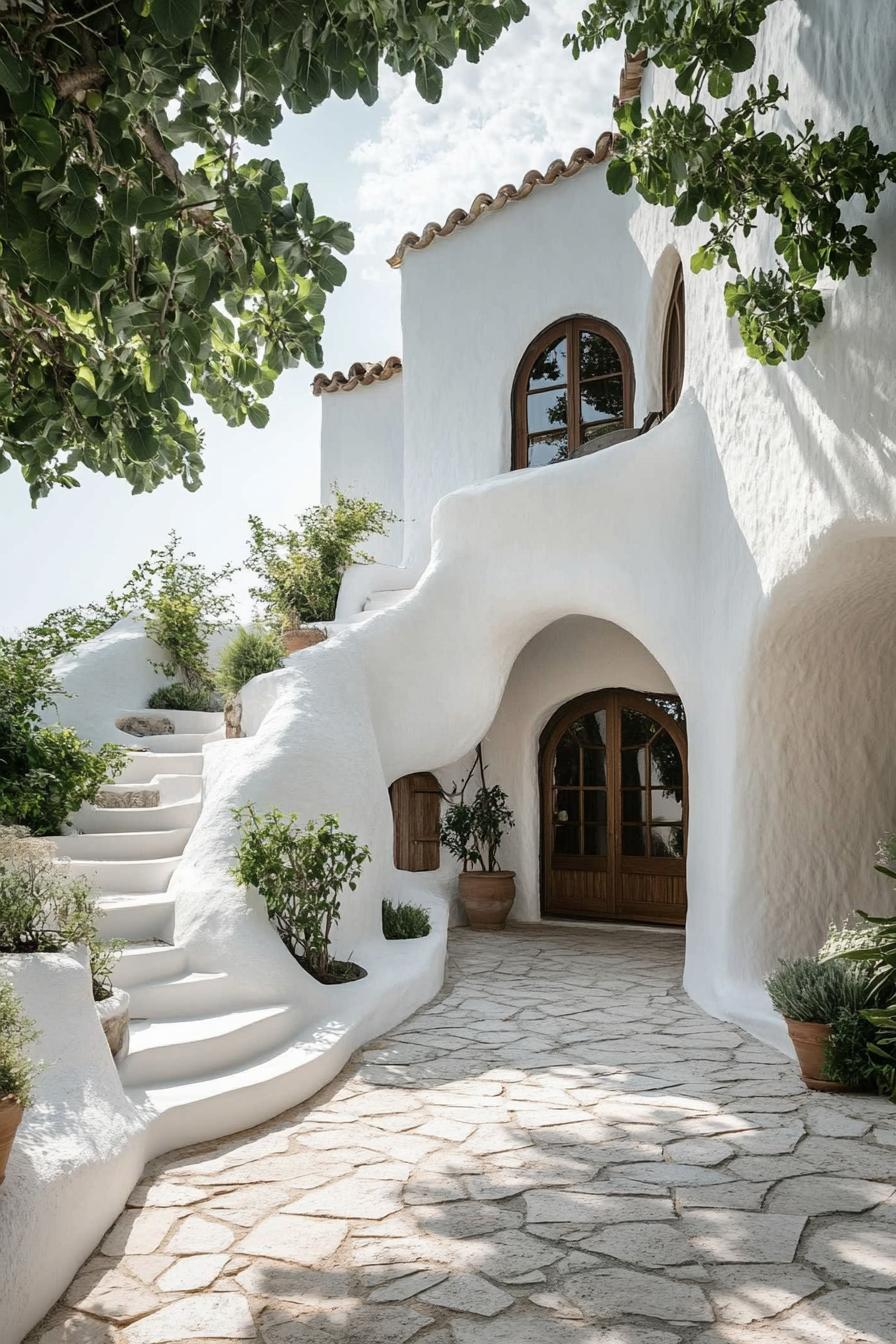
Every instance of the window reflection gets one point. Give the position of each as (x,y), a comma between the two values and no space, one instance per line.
(547,410)
(550,366)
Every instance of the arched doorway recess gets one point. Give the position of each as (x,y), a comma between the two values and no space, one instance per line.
(614,808)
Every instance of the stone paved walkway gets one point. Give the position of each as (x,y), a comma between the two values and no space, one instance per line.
(561,1149)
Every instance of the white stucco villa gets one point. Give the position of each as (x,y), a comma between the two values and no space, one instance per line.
(655,579)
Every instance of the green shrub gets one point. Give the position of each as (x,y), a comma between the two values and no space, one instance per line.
(179,696)
(300,873)
(46,772)
(249,654)
(300,569)
(183,605)
(43,909)
(405,921)
(809,990)
(848,1057)
(16,1033)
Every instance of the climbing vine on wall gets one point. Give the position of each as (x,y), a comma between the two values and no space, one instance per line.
(729,168)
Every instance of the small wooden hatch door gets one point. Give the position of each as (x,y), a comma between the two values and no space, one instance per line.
(416,811)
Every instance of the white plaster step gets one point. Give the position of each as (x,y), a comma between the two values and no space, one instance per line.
(168,744)
(185,1048)
(147,961)
(144,766)
(133,845)
(192,993)
(211,1105)
(136,919)
(184,720)
(163,817)
(386,597)
(126,877)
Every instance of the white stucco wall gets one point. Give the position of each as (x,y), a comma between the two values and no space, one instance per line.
(471,304)
(362,453)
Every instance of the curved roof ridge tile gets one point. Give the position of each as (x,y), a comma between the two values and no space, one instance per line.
(359,374)
(629,87)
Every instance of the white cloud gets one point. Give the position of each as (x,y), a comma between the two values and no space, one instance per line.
(526,103)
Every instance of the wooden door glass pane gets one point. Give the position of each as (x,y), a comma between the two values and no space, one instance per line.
(591,729)
(549,368)
(667,842)
(566,762)
(546,411)
(594,767)
(595,842)
(637,728)
(634,841)
(634,805)
(633,762)
(665,805)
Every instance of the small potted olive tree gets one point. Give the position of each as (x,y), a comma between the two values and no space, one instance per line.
(300,873)
(472,832)
(16,1069)
(299,570)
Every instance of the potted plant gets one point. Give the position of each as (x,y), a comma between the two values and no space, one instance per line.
(300,873)
(300,569)
(249,654)
(820,1001)
(473,832)
(43,909)
(16,1069)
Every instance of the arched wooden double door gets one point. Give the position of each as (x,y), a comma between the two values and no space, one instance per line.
(614,807)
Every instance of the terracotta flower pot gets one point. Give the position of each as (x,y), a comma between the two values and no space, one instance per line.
(487,898)
(114,1014)
(809,1041)
(10,1118)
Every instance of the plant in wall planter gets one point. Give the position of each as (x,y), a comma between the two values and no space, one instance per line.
(16,1069)
(300,569)
(250,653)
(42,909)
(404,920)
(473,832)
(300,872)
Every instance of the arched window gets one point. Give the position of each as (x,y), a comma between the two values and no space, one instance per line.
(673,344)
(574,385)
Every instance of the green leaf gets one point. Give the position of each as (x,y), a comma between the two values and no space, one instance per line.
(619,176)
(140,441)
(428,78)
(44,255)
(259,415)
(14,74)
(245,212)
(40,140)
(176,19)
(741,55)
(719,82)
(81,215)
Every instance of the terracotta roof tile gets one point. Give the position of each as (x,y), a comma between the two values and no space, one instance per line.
(358,375)
(629,87)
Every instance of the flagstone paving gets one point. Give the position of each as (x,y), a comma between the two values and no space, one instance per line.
(561,1149)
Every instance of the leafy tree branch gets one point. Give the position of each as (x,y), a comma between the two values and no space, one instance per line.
(731,170)
(142,260)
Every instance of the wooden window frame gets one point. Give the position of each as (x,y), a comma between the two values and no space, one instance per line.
(570,327)
(674,348)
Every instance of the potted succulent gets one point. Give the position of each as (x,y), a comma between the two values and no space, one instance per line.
(472,832)
(43,909)
(300,569)
(822,1003)
(300,873)
(16,1069)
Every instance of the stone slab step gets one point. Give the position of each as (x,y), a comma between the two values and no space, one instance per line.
(168,744)
(136,918)
(130,845)
(185,1048)
(184,720)
(151,960)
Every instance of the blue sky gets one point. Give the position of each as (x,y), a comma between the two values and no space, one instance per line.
(386,169)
